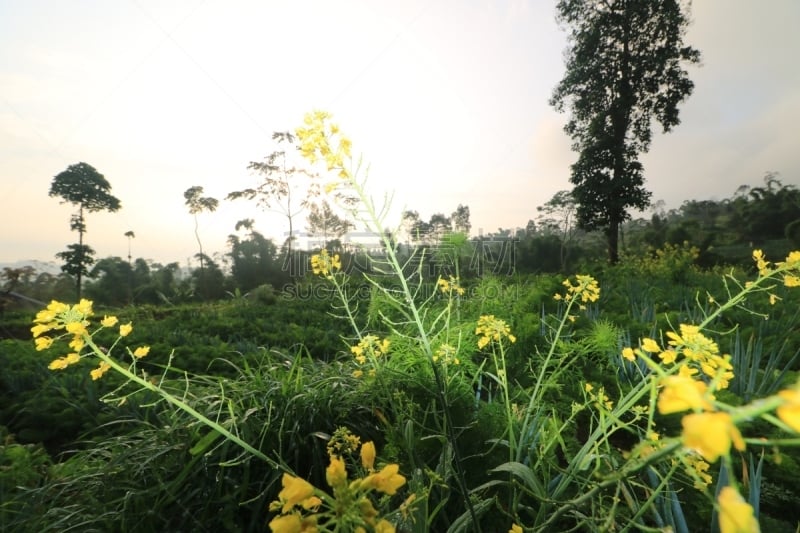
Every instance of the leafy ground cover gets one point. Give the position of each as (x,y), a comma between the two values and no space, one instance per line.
(648,396)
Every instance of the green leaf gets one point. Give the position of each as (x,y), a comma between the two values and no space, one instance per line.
(525,475)
(204,443)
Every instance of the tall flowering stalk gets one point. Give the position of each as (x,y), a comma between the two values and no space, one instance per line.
(62,322)
(322,141)
(494,332)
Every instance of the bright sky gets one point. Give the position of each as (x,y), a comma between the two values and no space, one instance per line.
(446,99)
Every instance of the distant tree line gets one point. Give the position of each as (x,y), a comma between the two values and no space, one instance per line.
(723,231)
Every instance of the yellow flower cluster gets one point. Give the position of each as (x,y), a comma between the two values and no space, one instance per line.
(343,443)
(447,354)
(321,140)
(599,397)
(701,351)
(585,288)
(491,329)
(697,468)
(303,507)
(325,265)
(74,321)
(60,316)
(450,286)
(792,262)
(698,351)
(761,263)
(369,348)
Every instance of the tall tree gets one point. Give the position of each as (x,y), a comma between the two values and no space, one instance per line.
(254,259)
(284,188)
(460,219)
(197,203)
(324,222)
(130,235)
(85,188)
(624,68)
(557,215)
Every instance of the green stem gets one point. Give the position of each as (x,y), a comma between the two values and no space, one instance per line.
(374,223)
(346,305)
(180,404)
(540,378)
(506,400)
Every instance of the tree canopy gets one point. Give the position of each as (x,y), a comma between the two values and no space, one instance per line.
(83,186)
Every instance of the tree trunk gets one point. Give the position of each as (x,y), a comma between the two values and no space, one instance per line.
(612,235)
(78,279)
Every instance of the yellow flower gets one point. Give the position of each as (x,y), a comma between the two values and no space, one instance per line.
(289,523)
(336,474)
(695,345)
(323,140)
(295,491)
(649,345)
(43,343)
(450,286)
(38,329)
(368,455)
(629,354)
(54,308)
(322,264)
(447,353)
(76,328)
(515,529)
(358,373)
(58,364)
(789,412)
(63,362)
(98,372)
(492,329)
(735,515)
(790,280)
(109,321)
(404,507)
(84,307)
(367,510)
(711,434)
(384,526)
(370,346)
(125,329)
(792,260)
(761,263)
(387,480)
(141,351)
(681,393)
(585,288)
(668,356)
(77,344)
(311,504)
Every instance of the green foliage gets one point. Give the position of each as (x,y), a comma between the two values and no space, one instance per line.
(84,187)
(522,399)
